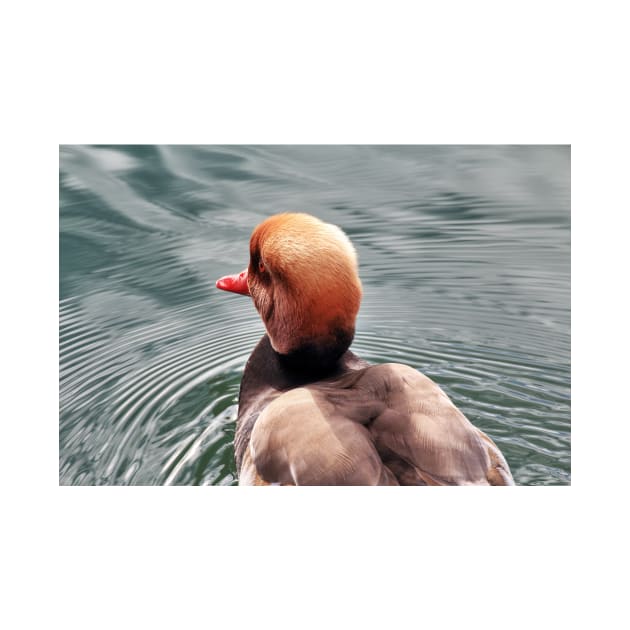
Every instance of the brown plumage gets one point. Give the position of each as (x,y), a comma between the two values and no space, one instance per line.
(313,413)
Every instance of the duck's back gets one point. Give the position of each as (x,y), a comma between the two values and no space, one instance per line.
(376,425)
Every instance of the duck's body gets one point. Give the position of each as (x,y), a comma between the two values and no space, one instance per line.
(313,413)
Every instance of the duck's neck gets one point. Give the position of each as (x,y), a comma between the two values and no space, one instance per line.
(309,363)
(317,357)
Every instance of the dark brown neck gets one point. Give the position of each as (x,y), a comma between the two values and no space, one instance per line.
(319,357)
(311,362)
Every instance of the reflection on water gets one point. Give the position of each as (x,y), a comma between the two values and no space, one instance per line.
(464,256)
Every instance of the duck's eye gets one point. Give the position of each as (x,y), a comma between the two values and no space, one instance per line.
(261,267)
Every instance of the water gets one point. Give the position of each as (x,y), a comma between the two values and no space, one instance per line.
(464,257)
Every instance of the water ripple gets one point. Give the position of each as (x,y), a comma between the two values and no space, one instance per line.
(137,380)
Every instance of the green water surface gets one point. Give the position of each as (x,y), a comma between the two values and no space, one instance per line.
(464,256)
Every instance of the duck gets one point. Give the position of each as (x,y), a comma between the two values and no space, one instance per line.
(310,411)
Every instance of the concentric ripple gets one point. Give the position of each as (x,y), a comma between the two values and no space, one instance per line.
(156,404)
(464,259)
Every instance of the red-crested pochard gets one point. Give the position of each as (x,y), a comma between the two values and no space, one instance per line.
(313,413)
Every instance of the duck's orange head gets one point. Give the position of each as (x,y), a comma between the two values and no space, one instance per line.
(303,278)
